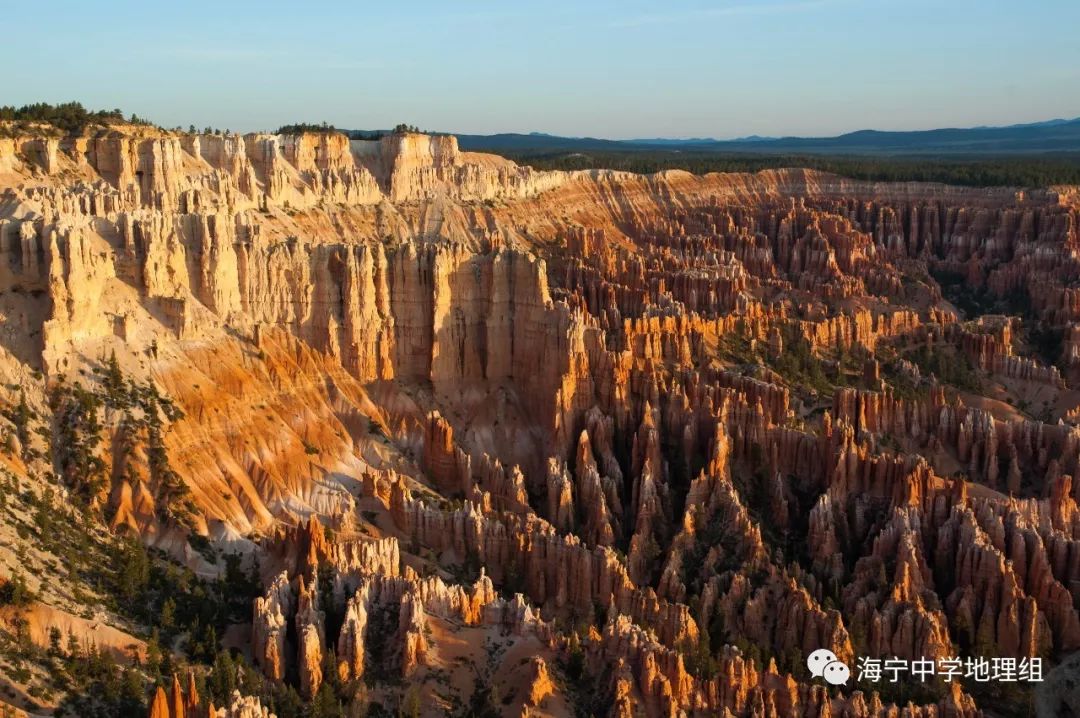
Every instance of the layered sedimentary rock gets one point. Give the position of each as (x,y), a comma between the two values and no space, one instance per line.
(658,436)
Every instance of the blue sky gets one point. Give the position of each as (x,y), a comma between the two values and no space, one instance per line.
(681,68)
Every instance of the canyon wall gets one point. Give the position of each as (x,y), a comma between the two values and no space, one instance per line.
(674,432)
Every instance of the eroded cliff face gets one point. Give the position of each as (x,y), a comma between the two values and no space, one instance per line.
(598,441)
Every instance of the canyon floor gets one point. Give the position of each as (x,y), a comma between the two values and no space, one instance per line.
(299,425)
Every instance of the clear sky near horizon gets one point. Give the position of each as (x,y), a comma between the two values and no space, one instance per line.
(619,69)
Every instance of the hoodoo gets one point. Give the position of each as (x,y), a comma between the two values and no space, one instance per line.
(303,422)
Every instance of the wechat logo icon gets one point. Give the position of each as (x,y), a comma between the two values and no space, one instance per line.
(823,663)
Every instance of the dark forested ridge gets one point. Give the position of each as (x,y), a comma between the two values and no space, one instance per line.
(1034,138)
(975,171)
(1031,155)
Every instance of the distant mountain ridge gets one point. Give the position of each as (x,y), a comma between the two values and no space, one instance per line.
(1058,135)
